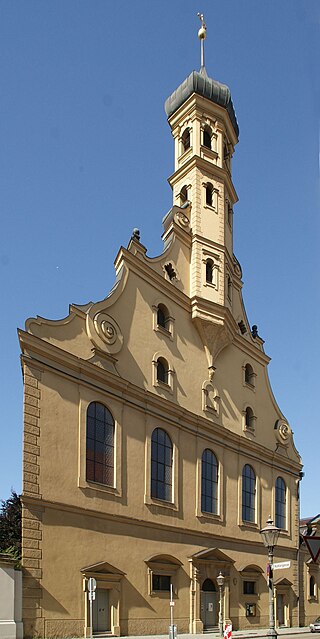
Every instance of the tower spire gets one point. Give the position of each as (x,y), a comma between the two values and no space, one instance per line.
(202,33)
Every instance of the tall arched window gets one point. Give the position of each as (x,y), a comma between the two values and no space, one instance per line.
(162,370)
(183,194)
(312,586)
(161,465)
(209,194)
(209,482)
(248,494)
(207,137)
(209,271)
(100,445)
(280,505)
(186,140)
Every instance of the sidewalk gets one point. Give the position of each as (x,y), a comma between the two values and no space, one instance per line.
(259,632)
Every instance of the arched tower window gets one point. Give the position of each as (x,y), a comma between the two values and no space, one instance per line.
(249,375)
(162,316)
(186,139)
(229,288)
(162,370)
(209,271)
(183,195)
(209,194)
(100,445)
(280,503)
(249,418)
(209,482)
(161,465)
(248,494)
(207,135)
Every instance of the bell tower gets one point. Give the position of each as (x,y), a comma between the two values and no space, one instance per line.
(205,131)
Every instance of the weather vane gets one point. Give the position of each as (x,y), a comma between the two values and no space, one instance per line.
(202,36)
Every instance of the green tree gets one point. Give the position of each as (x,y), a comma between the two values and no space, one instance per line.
(10,525)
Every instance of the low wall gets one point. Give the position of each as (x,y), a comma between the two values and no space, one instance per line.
(10,599)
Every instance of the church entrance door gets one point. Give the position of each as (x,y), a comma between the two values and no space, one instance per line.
(101,611)
(209,605)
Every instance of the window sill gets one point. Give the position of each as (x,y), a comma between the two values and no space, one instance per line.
(96,486)
(164,331)
(161,503)
(249,525)
(250,386)
(209,517)
(163,386)
(210,207)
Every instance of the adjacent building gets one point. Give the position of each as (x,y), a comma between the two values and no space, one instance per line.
(154,449)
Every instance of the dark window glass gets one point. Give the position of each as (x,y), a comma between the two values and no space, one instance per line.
(209,482)
(280,503)
(162,316)
(209,271)
(207,138)
(161,582)
(183,194)
(162,370)
(248,493)
(249,417)
(312,586)
(161,465)
(186,139)
(209,194)
(249,374)
(100,445)
(248,587)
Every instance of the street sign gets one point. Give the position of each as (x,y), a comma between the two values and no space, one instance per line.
(313,545)
(281,565)
(92,595)
(92,584)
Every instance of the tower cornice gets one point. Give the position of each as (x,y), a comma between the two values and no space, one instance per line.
(196,161)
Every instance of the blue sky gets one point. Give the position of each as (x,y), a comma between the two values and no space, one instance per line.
(85,152)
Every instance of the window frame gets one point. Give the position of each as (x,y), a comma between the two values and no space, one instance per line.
(213,482)
(108,427)
(115,408)
(148,499)
(283,516)
(157,463)
(167,331)
(253,493)
(167,386)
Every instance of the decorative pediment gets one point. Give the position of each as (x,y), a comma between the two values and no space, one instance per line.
(212,555)
(103,568)
(163,563)
(252,568)
(282,582)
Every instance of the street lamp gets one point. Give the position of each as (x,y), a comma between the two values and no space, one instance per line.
(220,580)
(270,535)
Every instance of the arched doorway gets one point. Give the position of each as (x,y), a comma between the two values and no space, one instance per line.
(209,605)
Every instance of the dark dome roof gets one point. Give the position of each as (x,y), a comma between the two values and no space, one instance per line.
(200,83)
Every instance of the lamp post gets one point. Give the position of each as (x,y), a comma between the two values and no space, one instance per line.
(270,535)
(220,581)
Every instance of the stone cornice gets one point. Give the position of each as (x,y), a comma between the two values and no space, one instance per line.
(216,171)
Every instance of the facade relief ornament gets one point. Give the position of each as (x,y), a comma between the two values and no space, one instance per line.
(104,332)
(181,218)
(210,398)
(283,432)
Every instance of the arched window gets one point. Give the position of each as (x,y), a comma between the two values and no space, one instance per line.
(209,194)
(183,195)
(209,482)
(186,140)
(162,316)
(162,370)
(312,586)
(207,137)
(249,418)
(280,505)
(248,493)
(100,445)
(209,271)
(249,374)
(161,465)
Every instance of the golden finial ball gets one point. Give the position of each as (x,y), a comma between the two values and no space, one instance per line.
(202,33)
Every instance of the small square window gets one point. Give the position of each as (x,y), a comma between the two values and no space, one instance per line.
(161,583)
(249,587)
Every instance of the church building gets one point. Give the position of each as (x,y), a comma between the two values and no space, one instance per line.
(154,449)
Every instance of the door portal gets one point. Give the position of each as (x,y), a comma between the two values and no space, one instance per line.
(209,605)
(280,610)
(101,611)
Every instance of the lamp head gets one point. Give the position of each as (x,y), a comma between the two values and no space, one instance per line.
(270,534)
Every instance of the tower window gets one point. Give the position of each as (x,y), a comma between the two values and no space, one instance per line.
(162,370)
(209,271)
(183,195)
(207,137)
(186,140)
(162,316)
(209,194)
(249,418)
(171,272)
(229,288)
(249,375)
